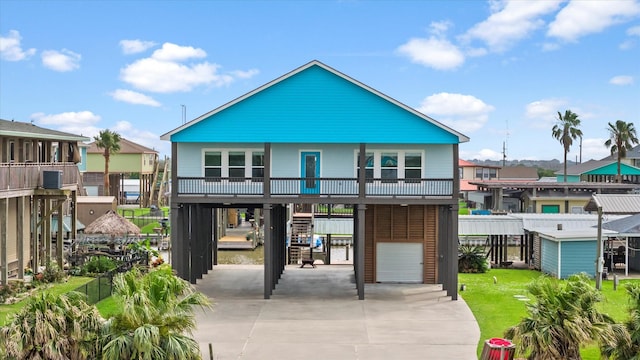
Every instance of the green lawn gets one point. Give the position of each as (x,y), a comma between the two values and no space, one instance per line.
(496,308)
(71,284)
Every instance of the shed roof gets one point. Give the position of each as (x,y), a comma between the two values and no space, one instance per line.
(315,99)
(489,225)
(518,173)
(30,130)
(629,225)
(615,203)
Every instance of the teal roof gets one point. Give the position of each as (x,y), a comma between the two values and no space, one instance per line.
(612,169)
(315,104)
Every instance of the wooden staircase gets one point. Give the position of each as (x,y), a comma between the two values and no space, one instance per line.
(301,237)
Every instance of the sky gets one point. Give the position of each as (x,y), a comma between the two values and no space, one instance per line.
(497,71)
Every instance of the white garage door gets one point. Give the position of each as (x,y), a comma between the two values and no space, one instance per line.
(399,262)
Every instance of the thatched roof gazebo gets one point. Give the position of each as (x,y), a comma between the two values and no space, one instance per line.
(111,223)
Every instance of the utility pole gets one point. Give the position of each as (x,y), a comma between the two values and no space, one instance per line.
(504,154)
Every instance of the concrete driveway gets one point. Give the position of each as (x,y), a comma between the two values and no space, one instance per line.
(314,313)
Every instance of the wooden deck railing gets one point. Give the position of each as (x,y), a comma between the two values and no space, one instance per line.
(29,176)
(339,187)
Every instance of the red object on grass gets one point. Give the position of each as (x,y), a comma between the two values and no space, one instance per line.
(501,349)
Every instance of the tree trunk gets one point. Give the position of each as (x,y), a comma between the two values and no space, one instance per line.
(106,174)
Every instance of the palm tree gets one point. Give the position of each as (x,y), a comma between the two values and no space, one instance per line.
(565,131)
(156,318)
(622,137)
(53,327)
(109,141)
(628,349)
(562,317)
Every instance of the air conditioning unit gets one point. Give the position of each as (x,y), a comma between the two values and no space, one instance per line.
(52,179)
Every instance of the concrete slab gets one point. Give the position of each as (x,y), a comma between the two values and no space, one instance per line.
(316,314)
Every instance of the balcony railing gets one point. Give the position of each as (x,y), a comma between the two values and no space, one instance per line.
(29,176)
(338,187)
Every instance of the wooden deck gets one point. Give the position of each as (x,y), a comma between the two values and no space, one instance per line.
(236,238)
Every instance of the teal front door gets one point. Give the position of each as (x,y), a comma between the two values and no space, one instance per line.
(310,172)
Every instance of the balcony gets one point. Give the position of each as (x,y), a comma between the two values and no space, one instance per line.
(314,187)
(28,176)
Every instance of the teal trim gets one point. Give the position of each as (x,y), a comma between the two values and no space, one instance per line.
(315,105)
(570,178)
(612,169)
(310,169)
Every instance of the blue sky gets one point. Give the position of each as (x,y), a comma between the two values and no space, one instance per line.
(497,71)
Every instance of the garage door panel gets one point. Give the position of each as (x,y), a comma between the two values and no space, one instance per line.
(399,262)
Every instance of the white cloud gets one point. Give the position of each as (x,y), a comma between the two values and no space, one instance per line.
(135,46)
(173,52)
(134,97)
(165,76)
(621,80)
(465,113)
(166,72)
(78,123)
(634,31)
(439,54)
(143,137)
(483,154)
(510,21)
(240,74)
(594,149)
(64,60)
(10,48)
(542,113)
(580,18)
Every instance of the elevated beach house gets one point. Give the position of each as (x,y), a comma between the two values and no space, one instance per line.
(39,182)
(318,136)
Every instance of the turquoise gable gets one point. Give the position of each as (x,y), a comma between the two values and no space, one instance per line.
(315,106)
(612,169)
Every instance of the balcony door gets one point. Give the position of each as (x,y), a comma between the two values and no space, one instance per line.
(310,172)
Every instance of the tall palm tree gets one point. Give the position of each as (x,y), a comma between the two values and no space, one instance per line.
(109,141)
(53,327)
(622,137)
(628,350)
(561,318)
(565,131)
(156,319)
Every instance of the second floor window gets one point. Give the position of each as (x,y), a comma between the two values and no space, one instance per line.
(236,165)
(389,166)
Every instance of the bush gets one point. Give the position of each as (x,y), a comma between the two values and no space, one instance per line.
(52,274)
(471,259)
(99,265)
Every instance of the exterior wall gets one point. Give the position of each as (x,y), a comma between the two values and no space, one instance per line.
(577,257)
(549,255)
(570,178)
(88,212)
(634,255)
(401,224)
(574,203)
(12,235)
(337,160)
(82,165)
(128,163)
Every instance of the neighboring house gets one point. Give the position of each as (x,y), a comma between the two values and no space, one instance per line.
(545,196)
(604,170)
(518,173)
(39,180)
(632,157)
(131,159)
(318,136)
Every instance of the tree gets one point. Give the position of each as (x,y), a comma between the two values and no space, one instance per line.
(109,141)
(565,131)
(622,137)
(628,348)
(562,317)
(53,327)
(156,317)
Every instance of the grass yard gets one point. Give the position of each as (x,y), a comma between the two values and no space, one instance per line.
(71,284)
(496,306)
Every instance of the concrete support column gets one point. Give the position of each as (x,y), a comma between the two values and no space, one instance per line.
(60,233)
(216,235)
(20,239)
(195,250)
(452,228)
(208,250)
(359,249)
(268,244)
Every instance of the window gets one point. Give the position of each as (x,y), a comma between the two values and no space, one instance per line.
(236,165)
(388,166)
(257,165)
(392,165)
(413,166)
(213,165)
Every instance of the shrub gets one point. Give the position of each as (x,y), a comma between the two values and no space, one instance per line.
(52,274)
(99,265)
(471,259)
